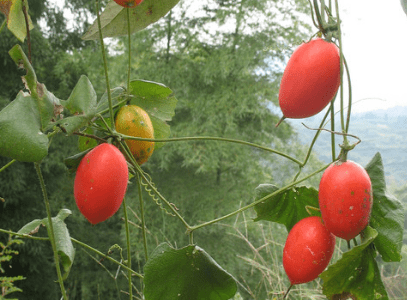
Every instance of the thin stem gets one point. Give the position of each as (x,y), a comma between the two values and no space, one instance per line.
(210,138)
(308,155)
(27,236)
(143,223)
(126,226)
(7,165)
(106,257)
(350,95)
(91,136)
(75,241)
(333,145)
(133,162)
(109,95)
(345,141)
(50,229)
(129,37)
(193,228)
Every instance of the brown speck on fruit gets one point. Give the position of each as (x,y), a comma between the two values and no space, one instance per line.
(352,193)
(340,212)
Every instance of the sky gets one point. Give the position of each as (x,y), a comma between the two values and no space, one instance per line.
(374,36)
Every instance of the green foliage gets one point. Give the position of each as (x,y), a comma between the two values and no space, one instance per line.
(64,245)
(20,130)
(158,101)
(286,208)
(113,19)
(387,214)
(187,273)
(7,283)
(356,273)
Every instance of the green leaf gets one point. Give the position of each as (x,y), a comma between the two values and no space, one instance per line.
(286,208)
(31,228)
(186,274)
(82,104)
(46,101)
(65,249)
(13,10)
(114,18)
(157,100)
(20,131)
(356,273)
(72,162)
(387,214)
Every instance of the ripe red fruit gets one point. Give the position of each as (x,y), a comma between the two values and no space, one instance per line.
(345,199)
(128,3)
(101,183)
(308,250)
(310,80)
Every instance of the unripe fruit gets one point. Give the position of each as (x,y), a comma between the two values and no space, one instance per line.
(308,250)
(134,121)
(128,3)
(310,80)
(101,183)
(345,199)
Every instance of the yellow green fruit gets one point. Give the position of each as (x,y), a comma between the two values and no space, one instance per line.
(134,121)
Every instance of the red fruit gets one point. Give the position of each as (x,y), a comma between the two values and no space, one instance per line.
(128,3)
(308,250)
(345,199)
(101,183)
(310,80)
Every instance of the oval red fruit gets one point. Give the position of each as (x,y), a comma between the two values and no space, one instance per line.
(128,3)
(345,199)
(310,80)
(101,183)
(308,250)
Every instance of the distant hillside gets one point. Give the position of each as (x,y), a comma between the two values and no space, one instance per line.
(383,131)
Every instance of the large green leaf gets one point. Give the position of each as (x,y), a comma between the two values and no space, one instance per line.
(46,101)
(356,273)
(286,208)
(186,274)
(387,214)
(82,104)
(20,130)
(64,245)
(114,18)
(157,100)
(13,10)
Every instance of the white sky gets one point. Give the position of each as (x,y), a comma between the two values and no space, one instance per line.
(375,46)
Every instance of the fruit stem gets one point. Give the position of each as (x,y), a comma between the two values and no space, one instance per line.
(288,290)
(50,229)
(281,120)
